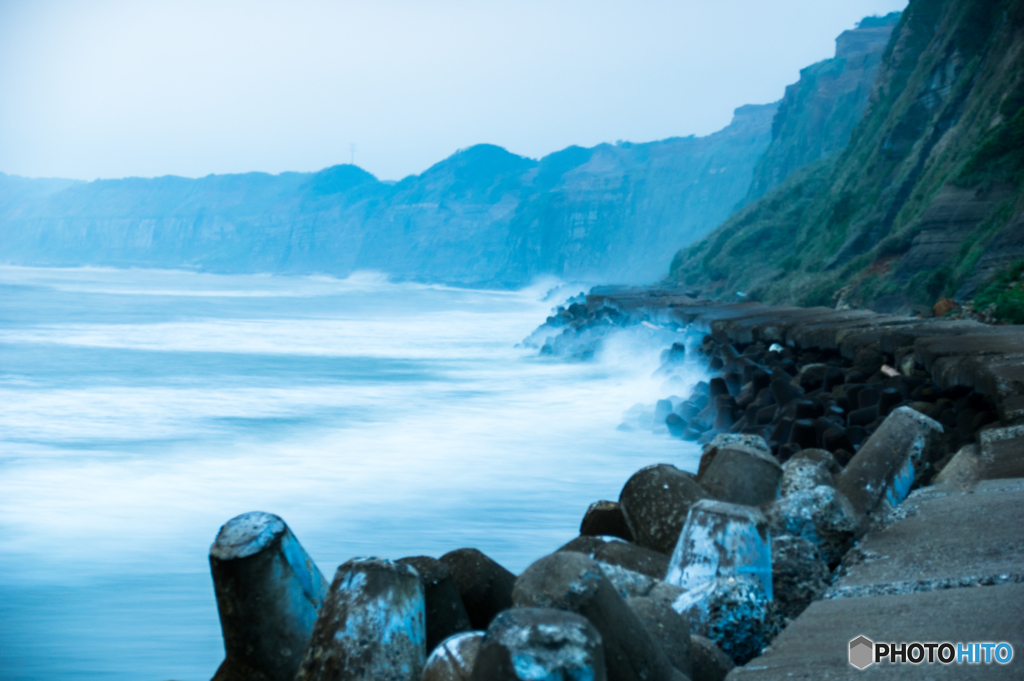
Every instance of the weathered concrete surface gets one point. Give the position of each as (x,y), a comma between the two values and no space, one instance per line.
(722,540)
(884,468)
(372,626)
(815,645)
(1002,453)
(928,350)
(946,539)
(1002,378)
(821,515)
(802,473)
(670,629)
(573,582)
(761,326)
(484,586)
(446,615)
(605,518)
(655,501)
(525,644)
(799,573)
(963,470)
(615,551)
(709,662)
(742,475)
(454,658)
(734,612)
(268,594)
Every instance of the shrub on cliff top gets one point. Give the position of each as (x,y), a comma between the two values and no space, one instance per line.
(1006,292)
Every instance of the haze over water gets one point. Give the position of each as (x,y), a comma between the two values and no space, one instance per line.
(143,409)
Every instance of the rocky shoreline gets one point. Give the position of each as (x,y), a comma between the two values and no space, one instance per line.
(862,475)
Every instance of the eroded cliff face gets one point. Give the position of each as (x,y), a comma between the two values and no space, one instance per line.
(252,222)
(818,113)
(615,214)
(926,199)
(482,217)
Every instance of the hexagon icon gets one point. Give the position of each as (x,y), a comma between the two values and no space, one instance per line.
(862,652)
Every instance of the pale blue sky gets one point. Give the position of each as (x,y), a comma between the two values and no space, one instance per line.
(112,88)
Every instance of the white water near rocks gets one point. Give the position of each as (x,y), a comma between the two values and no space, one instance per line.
(143,409)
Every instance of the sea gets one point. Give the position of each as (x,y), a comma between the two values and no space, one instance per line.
(142,409)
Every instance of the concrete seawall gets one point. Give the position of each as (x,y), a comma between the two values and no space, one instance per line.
(948,564)
(985,358)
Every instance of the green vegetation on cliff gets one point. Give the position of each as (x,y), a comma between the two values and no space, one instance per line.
(925,201)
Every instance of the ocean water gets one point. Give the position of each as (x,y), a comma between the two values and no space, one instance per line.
(141,409)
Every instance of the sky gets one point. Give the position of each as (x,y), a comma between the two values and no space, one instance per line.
(116,88)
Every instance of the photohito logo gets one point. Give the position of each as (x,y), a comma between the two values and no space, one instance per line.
(864,652)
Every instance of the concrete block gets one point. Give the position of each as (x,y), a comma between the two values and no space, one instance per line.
(822,457)
(484,585)
(453,659)
(655,501)
(605,518)
(1002,453)
(667,627)
(532,644)
(929,349)
(372,626)
(573,582)
(615,551)
(268,594)
(446,614)
(882,472)
(963,470)
(627,583)
(729,439)
(800,473)
(734,612)
(709,662)
(822,515)
(742,475)
(722,540)
(799,573)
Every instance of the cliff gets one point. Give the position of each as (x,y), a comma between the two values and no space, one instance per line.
(611,213)
(818,113)
(482,217)
(926,199)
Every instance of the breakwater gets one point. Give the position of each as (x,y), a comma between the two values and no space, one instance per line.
(860,480)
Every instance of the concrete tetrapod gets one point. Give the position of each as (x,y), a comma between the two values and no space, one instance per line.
(484,586)
(573,582)
(622,553)
(709,662)
(666,626)
(882,472)
(605,518)
(722,540)
(446,615)
(741,474)
(268,594)
(655,500)
(372,626)
(532,644)
(453,659)
(821,515)
(734,613)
